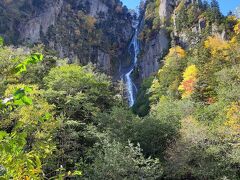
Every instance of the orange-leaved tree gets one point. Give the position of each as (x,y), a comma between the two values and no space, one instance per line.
(189,81)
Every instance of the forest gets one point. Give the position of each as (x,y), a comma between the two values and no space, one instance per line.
(70,120)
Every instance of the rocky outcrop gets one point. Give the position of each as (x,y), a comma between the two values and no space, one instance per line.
(96,31)
(157,40)
(31,30)
(153,50)
(166,8)
(104,62)
(149,63)
(98,7)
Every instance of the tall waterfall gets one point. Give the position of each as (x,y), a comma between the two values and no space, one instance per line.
(130,86)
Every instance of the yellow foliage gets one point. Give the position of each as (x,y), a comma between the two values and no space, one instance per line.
(176,52)
(233,40)
(11,88)
(36,117)
(237,28)
(91,21)
(217,46)
(231,18)
(233,118)
(154,88)
(190,72)
(180,6)
(189,80)
(155,84)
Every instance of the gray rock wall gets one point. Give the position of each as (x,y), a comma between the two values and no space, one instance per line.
(97,7)
(153,51)
(149,63)
(165,9)
(31,30)
(37,27)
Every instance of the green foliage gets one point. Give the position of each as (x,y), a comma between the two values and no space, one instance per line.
(205,153)
(203,128)
(79,92)
(175,62)
(71,125)
(25,116)
(22,66)
(142,104)
(152,22)
(199,15)
(229,84)
(120,122)
(153,132)
(10,58)
(33,59)
(1,41)
(27,120)
(116,161)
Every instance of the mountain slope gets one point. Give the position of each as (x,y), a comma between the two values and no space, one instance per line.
(86,31)
(167,23)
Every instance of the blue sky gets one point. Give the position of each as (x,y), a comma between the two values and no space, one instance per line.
(226,5)
(131,4)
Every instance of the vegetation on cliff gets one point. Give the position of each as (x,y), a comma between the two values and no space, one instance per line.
(67,121)
(83,31)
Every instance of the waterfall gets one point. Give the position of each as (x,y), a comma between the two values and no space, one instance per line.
(128,81)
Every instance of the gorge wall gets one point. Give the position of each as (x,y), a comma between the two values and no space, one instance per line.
(168,23)
(96,31)
(99,31)
(154,36)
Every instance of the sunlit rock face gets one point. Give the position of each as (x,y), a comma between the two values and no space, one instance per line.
(161,38)
(96,31)
(97,7)
(166,8)
(155,48)
(31,30)
(104,61)
(150,62)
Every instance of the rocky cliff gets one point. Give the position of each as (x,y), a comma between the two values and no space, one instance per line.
(154,36)
(152,53)
(166,8)
(167,23)
(30,31)
(96,31)
(99,31)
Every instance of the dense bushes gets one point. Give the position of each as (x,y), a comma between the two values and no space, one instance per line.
(68,122)
(71,120)
(117,161)
(207,142)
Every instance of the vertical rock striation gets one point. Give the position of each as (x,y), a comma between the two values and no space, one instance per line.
(158,41)
(166,8)
(153,51)
(96,31)
(31,30)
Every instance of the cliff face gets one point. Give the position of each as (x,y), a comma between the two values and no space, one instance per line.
(166,8)
(155,43)
(31,30)
(97,7)
(99,31)
(96,31)
(168,23)
(149,62)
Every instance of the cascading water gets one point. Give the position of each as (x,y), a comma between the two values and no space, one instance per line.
(130,86)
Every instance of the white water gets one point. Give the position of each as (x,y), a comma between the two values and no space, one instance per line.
(130,86)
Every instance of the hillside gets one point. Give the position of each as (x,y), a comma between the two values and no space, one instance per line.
(83,31)
(92,90)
